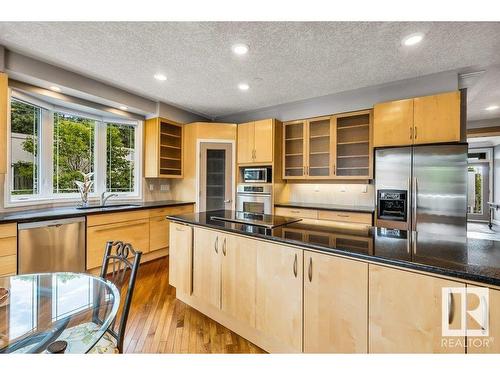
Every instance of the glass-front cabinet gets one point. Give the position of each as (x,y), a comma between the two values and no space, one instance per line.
(329,147)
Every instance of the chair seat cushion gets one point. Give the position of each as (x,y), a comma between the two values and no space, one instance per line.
(80,336)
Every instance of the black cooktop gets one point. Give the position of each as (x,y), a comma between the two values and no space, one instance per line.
(260,220)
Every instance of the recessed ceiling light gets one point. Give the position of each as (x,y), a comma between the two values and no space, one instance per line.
(492,107)
(413,39)
(160,77)
(240,49)
(123,108)
(55,88)
(243,86)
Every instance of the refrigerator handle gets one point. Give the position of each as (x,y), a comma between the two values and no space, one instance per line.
(415,203)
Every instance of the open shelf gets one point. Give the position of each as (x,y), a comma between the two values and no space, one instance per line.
(351,156)
(352,143)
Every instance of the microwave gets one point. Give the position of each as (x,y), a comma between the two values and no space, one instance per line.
(261,175)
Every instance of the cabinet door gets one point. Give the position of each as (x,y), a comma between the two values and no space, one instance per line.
(158,233)
(335,304)
(405,312)
(246,142)
(294,150)
(181,257)
(239,272)
(491,343)
(134,232)
(263,141)
(320,144)
(279,295)
(393,123)
(437,118)
(207,266)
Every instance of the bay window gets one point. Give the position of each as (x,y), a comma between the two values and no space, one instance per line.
(52,147)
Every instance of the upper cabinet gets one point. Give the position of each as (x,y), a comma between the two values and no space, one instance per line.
(163,149)
(422,120)
(330,147)
(255,142)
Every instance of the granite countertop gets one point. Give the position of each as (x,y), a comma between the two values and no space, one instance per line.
(465,258)
(73,211)
(327,207)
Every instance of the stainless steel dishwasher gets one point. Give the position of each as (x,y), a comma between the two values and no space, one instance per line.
(52,246)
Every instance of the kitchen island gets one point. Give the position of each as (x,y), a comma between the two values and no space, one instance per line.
(335,287)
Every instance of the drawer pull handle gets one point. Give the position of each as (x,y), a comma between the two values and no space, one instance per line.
(310,269)
(343,215)
(295,211)
(295,266)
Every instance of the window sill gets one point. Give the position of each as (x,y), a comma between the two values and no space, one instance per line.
(64,201)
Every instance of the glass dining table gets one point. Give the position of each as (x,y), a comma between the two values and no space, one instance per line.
(37,309)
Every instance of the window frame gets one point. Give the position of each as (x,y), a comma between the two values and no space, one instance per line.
(45,157)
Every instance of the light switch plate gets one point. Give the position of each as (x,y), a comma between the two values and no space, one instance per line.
(364,189)
(151,187)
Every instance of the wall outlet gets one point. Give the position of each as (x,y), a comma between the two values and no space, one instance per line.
(165,187)
(343,189)
(316,188)
(151,187)
(364,189)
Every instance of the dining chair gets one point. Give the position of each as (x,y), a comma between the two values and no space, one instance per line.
(120,265)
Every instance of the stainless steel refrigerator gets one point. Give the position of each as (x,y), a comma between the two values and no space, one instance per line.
(422,188)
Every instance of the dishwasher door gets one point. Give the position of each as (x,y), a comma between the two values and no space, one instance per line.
(52,246)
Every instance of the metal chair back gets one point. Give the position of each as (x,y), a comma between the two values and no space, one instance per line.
(121,263)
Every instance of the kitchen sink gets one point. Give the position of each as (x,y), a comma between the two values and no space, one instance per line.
(107,206)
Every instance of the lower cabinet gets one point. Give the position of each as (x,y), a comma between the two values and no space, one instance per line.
(8,249)
(335,304)
(207,247)
(490,343)
(405,312)
(279,294)
(127,231)
(181,257)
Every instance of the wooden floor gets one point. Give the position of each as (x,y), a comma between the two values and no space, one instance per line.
(160,323)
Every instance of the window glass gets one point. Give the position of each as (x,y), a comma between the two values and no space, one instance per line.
(24,147)
(120,152)
(73,151)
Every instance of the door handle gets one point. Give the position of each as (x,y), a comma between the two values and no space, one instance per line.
(216,245)
(411,133)
(310,272)
(415,203)
(227,201)
(224,247)
(415,128)
(295,266)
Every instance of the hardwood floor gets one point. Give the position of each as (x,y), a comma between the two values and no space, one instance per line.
(160,323)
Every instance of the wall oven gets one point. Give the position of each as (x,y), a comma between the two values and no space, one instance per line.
(256,199)
(261,175)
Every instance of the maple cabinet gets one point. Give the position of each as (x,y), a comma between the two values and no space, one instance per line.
(279,294)
(8,249)
(422,120)
(329,147)
(4,107)
(180,257)
(335,304)
(256,142)
(405,312)
(163,143)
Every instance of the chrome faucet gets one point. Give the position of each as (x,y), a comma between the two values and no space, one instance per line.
(105,198)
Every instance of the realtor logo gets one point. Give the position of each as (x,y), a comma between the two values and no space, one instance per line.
(465,312)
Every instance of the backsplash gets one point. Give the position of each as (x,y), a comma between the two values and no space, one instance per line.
(346,194)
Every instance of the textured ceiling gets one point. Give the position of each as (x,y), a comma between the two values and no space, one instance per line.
(287,61)
(484,93)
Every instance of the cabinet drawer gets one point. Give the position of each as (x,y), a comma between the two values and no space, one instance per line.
(8,265)
(296,212)
(8,246)
(172,210)
(134,232)
(116,217)
(8,230)
(158,233)
(350,217)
